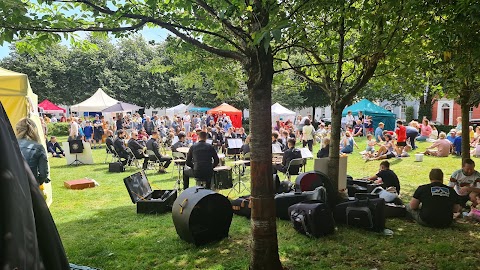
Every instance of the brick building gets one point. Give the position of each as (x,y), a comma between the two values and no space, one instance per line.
(446,111)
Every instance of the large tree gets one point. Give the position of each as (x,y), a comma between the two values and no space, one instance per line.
(342,44)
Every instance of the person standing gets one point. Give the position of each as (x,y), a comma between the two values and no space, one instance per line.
(433,204)
(401,132)
(307,134)
(412,133)
(186,122)
(350,119)
(97,132)
(32,150)
(201,159)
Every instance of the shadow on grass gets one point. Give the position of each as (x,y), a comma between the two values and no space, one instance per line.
(118,238)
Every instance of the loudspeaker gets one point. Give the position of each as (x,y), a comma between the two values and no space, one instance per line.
(76,146)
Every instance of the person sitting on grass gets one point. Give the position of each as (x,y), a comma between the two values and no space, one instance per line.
(347,143)
(385,151)
(358,129)
(370,144)
(52,147)
(444,147)
(386,177)
(466,182)
(325,151)
(379,132)
(457,144)
(434,204)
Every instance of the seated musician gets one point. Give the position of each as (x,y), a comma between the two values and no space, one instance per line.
(277,141)
(52,147)
(120,148)
(152,145)
(138,149)
(181,142)
(199,159)
(109,140)
(288,155)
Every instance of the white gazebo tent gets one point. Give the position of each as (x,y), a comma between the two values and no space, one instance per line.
(96,103)
(177,110)
(278,111)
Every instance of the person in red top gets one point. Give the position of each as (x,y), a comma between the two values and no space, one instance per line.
(401,132)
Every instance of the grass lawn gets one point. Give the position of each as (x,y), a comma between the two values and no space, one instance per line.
(100,228)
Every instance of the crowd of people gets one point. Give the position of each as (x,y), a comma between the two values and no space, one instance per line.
(209,135)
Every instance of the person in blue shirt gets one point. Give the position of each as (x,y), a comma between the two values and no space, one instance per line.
(451,136)
(457,143)
(379,132)
(88,131)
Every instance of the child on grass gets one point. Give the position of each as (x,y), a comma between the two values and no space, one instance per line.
(370,144)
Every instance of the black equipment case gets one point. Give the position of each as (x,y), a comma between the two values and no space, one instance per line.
(202,216)
(310,181)
(285,200)
(360,186)
(148,201)
(116,167)
(242,207)
(222,178)
(368,214)
(395,210)
(313,218)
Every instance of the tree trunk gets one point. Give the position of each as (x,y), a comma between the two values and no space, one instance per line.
(465,121)
(264,244)
(333,164)
(425,108)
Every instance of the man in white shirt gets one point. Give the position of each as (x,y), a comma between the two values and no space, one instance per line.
(74,127)
(350,119)
(466,182)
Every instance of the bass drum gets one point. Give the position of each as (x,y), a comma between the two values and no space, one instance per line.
(202,216)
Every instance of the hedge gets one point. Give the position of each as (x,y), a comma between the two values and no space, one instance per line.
(58,129)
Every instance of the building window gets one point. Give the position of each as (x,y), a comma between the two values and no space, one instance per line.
(154,112)
(470,113)
(389,108)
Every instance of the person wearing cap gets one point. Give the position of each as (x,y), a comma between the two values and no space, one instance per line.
(444,147)
(452,135)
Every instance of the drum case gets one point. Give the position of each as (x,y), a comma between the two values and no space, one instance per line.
(201,216)
(148,201)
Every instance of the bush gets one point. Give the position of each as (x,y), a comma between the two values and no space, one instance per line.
(58,129)
(409,114)
(444,128)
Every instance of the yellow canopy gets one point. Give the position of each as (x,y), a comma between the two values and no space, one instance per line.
(19,101)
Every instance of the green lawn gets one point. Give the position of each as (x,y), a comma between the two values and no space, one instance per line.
(100,228)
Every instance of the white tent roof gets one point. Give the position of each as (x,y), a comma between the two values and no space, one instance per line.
(278,111)
(96,103)
(179,109)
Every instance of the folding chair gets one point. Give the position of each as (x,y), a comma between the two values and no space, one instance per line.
(132,158)
(294,162)
(155,162)
(110,154)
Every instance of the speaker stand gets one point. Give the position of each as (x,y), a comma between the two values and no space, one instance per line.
(76,162)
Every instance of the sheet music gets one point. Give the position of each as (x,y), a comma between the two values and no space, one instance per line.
(276,149)
(306,153)
(234,143)
(209,141)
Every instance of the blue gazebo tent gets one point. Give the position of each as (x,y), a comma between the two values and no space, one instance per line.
(199,109)
(378,113)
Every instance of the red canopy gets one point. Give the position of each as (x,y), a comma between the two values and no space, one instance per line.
(232,112)
(49,107)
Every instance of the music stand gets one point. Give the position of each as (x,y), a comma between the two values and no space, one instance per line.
(76,147)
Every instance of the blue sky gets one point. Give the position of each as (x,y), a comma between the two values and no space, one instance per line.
(157,34)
